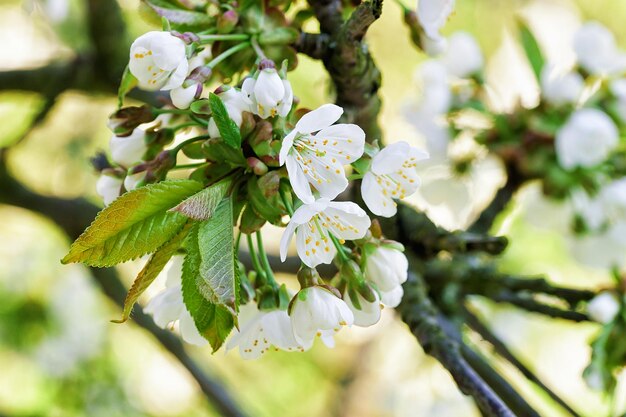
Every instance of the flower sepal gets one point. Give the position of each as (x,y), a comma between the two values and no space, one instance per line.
(124,121)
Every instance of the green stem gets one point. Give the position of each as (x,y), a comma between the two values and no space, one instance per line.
(215,61)
(257,48)
(255,259)
(264,260)
(170,111)
(184,125)
(226,37)
(187,166)
(286,202)
(187,142)
(340,248)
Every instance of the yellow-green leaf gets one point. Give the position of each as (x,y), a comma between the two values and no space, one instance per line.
(201,206)
(152,269)
(135,224)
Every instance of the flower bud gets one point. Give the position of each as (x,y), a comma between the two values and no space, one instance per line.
(248,123)
(308,277)
(182,97)
(604,307)
(387,268)
(108,187)
(227,21)
(124,121)
(135,180)
(261,138)
(366,312)
(270,95)
(258,167)
(159,61)
(128,151)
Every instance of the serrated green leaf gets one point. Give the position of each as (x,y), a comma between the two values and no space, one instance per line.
(178,16)
(228,129)
(128,83)
(201,206)
(213,322)
(135,224)
(216,280)
(532,50)
(152,269)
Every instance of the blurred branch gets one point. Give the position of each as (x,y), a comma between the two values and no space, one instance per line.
(421,316)
(73,216)
(314,45)
(501,349)
(529,304)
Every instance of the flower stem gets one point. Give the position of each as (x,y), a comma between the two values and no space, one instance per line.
(341,250)
(184,125)
(257,48)
(264,260)
(170,111)
(187,142)
(187,166)
(255,260)
(286,202)
(215,61)
(226,37)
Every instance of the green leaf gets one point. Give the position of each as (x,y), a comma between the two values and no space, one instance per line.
(201,206)
(263,193)
(200,106)
(135,224)
(152,269)
(216,279)
(228,129)
(179,16)
(212,321)
(250,221)
(532,49)
(128,83)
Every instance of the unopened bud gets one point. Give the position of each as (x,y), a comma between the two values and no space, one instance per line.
(266,64)
(261,138)
(351,272)
(258,167)
(308,277)
(187,37)
(227,21)
(124,121)
(247,124)
(376,230)
(198,75)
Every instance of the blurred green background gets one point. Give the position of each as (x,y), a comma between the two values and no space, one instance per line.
(61,356)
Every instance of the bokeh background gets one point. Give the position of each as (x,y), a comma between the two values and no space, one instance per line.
(61,356)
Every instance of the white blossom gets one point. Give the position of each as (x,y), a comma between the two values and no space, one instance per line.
(368,314)
(392,298)
(313,223)
(128,150)
(109,188)
(269,93)
(613,197)
(596,50)
(618,88)
(158,60)
(590,209)
(392,175)
(463,56)
(586,139)
(259,330)
(132,180)
(561,87)
(387,268)
(236,102)
(318,158)
(604,307)
(316,311)
(168,307)
(182,97)
(433,15)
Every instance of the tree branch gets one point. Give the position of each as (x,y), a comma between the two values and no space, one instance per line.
(533,306)
(501,349)
(421,316)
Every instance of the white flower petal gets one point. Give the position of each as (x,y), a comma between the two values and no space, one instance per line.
(346,142)
(319,118)
(108,188)
(377,203)
(188,330)
(392,298)
(298,180)
(368,315)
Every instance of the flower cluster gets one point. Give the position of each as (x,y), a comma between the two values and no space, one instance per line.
(268,161)
(570,138)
